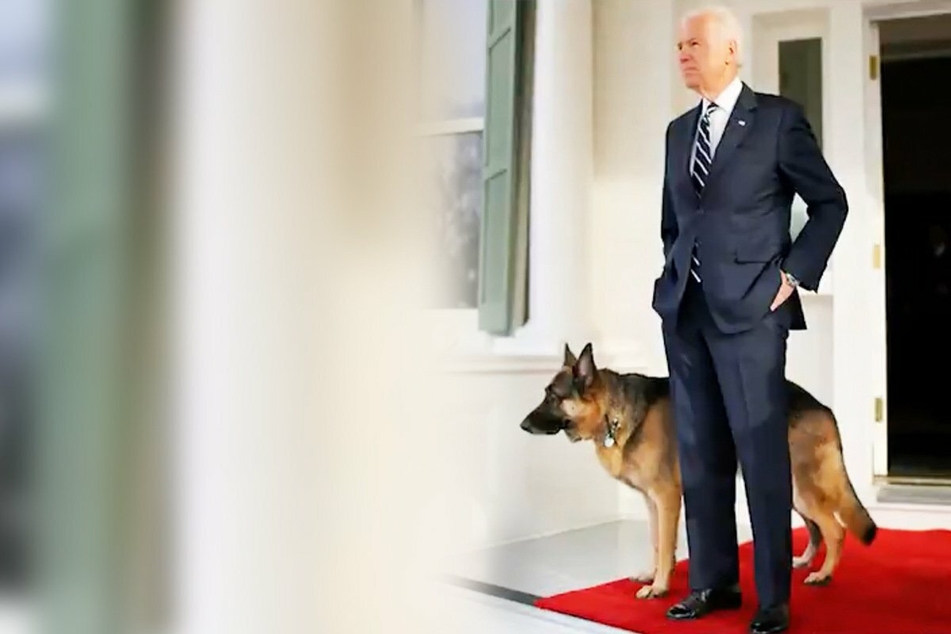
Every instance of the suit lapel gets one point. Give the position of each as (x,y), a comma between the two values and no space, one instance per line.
(737,127)
(686,134)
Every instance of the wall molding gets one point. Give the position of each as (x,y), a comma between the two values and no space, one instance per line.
(628,357)
(500,363)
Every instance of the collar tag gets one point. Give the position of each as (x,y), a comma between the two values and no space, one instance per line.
(609,433)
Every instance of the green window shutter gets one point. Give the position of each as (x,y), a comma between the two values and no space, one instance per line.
(503,262)
(83,383)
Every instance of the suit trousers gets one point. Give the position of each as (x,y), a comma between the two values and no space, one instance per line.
(729,397)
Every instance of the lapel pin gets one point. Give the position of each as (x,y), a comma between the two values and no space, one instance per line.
(741,122)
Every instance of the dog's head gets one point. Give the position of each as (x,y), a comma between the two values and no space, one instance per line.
(571,403)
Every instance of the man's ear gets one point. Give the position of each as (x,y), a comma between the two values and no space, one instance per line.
(585,369)
(570,359)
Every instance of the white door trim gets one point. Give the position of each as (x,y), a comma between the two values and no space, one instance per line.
(879,12)
(874,175)
(873,15)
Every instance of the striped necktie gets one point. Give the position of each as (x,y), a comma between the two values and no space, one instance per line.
(703,156)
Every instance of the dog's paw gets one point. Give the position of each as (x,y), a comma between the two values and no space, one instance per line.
(652,592)
(801,561)
(818,579)
(643,577)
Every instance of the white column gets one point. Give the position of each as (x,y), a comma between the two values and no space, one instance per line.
(289,515)
(634,73)
(634,69)
(561,173)
(237,510)
(853,371)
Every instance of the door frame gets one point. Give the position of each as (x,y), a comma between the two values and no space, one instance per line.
(873,15)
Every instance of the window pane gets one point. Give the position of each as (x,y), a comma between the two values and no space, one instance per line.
(23,39)
(24,76)
(457,176)
(800,79)
(453,58)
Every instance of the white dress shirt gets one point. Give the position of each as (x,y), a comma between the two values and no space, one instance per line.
(725,101)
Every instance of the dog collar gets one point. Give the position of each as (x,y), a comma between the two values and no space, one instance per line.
(610,433)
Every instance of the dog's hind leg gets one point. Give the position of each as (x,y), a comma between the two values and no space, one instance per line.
(647,576)
(815,539)
(834,535)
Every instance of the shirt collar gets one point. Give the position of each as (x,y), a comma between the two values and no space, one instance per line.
(728,98)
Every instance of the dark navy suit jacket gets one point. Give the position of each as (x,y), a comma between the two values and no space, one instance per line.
(740,222)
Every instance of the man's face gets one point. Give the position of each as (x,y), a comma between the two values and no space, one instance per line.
(704,55)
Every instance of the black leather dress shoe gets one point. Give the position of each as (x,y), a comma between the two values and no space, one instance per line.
(701,602)
(770,620)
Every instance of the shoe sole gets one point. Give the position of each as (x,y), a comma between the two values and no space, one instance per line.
(690,617)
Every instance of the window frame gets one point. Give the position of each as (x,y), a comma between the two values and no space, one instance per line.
(475,329)
(456,324)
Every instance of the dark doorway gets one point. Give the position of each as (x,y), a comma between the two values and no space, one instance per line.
(916,122)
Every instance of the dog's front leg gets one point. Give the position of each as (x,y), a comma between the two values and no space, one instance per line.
(667,505)
(647,576)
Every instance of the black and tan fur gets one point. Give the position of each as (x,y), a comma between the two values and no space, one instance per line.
(629,418)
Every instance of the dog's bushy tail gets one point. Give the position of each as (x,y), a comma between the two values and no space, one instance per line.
(851,511)
(856,517)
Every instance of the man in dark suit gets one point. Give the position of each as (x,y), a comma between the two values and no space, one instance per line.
(728,298)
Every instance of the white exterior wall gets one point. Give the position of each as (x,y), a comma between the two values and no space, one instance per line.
(520,485)
(551,485)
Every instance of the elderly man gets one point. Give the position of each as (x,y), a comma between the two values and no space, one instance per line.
(728,298)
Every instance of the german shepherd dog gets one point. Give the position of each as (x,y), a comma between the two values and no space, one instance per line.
(629,418)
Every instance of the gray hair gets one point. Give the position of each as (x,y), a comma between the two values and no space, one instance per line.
(730,26)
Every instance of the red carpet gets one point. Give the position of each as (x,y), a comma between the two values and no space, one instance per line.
(901,584)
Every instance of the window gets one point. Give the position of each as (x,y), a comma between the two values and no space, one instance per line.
(453,61)
(475,107)
(800,79)
(25,31)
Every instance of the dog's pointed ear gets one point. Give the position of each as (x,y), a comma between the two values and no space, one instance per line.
(585,369)
(570,359)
